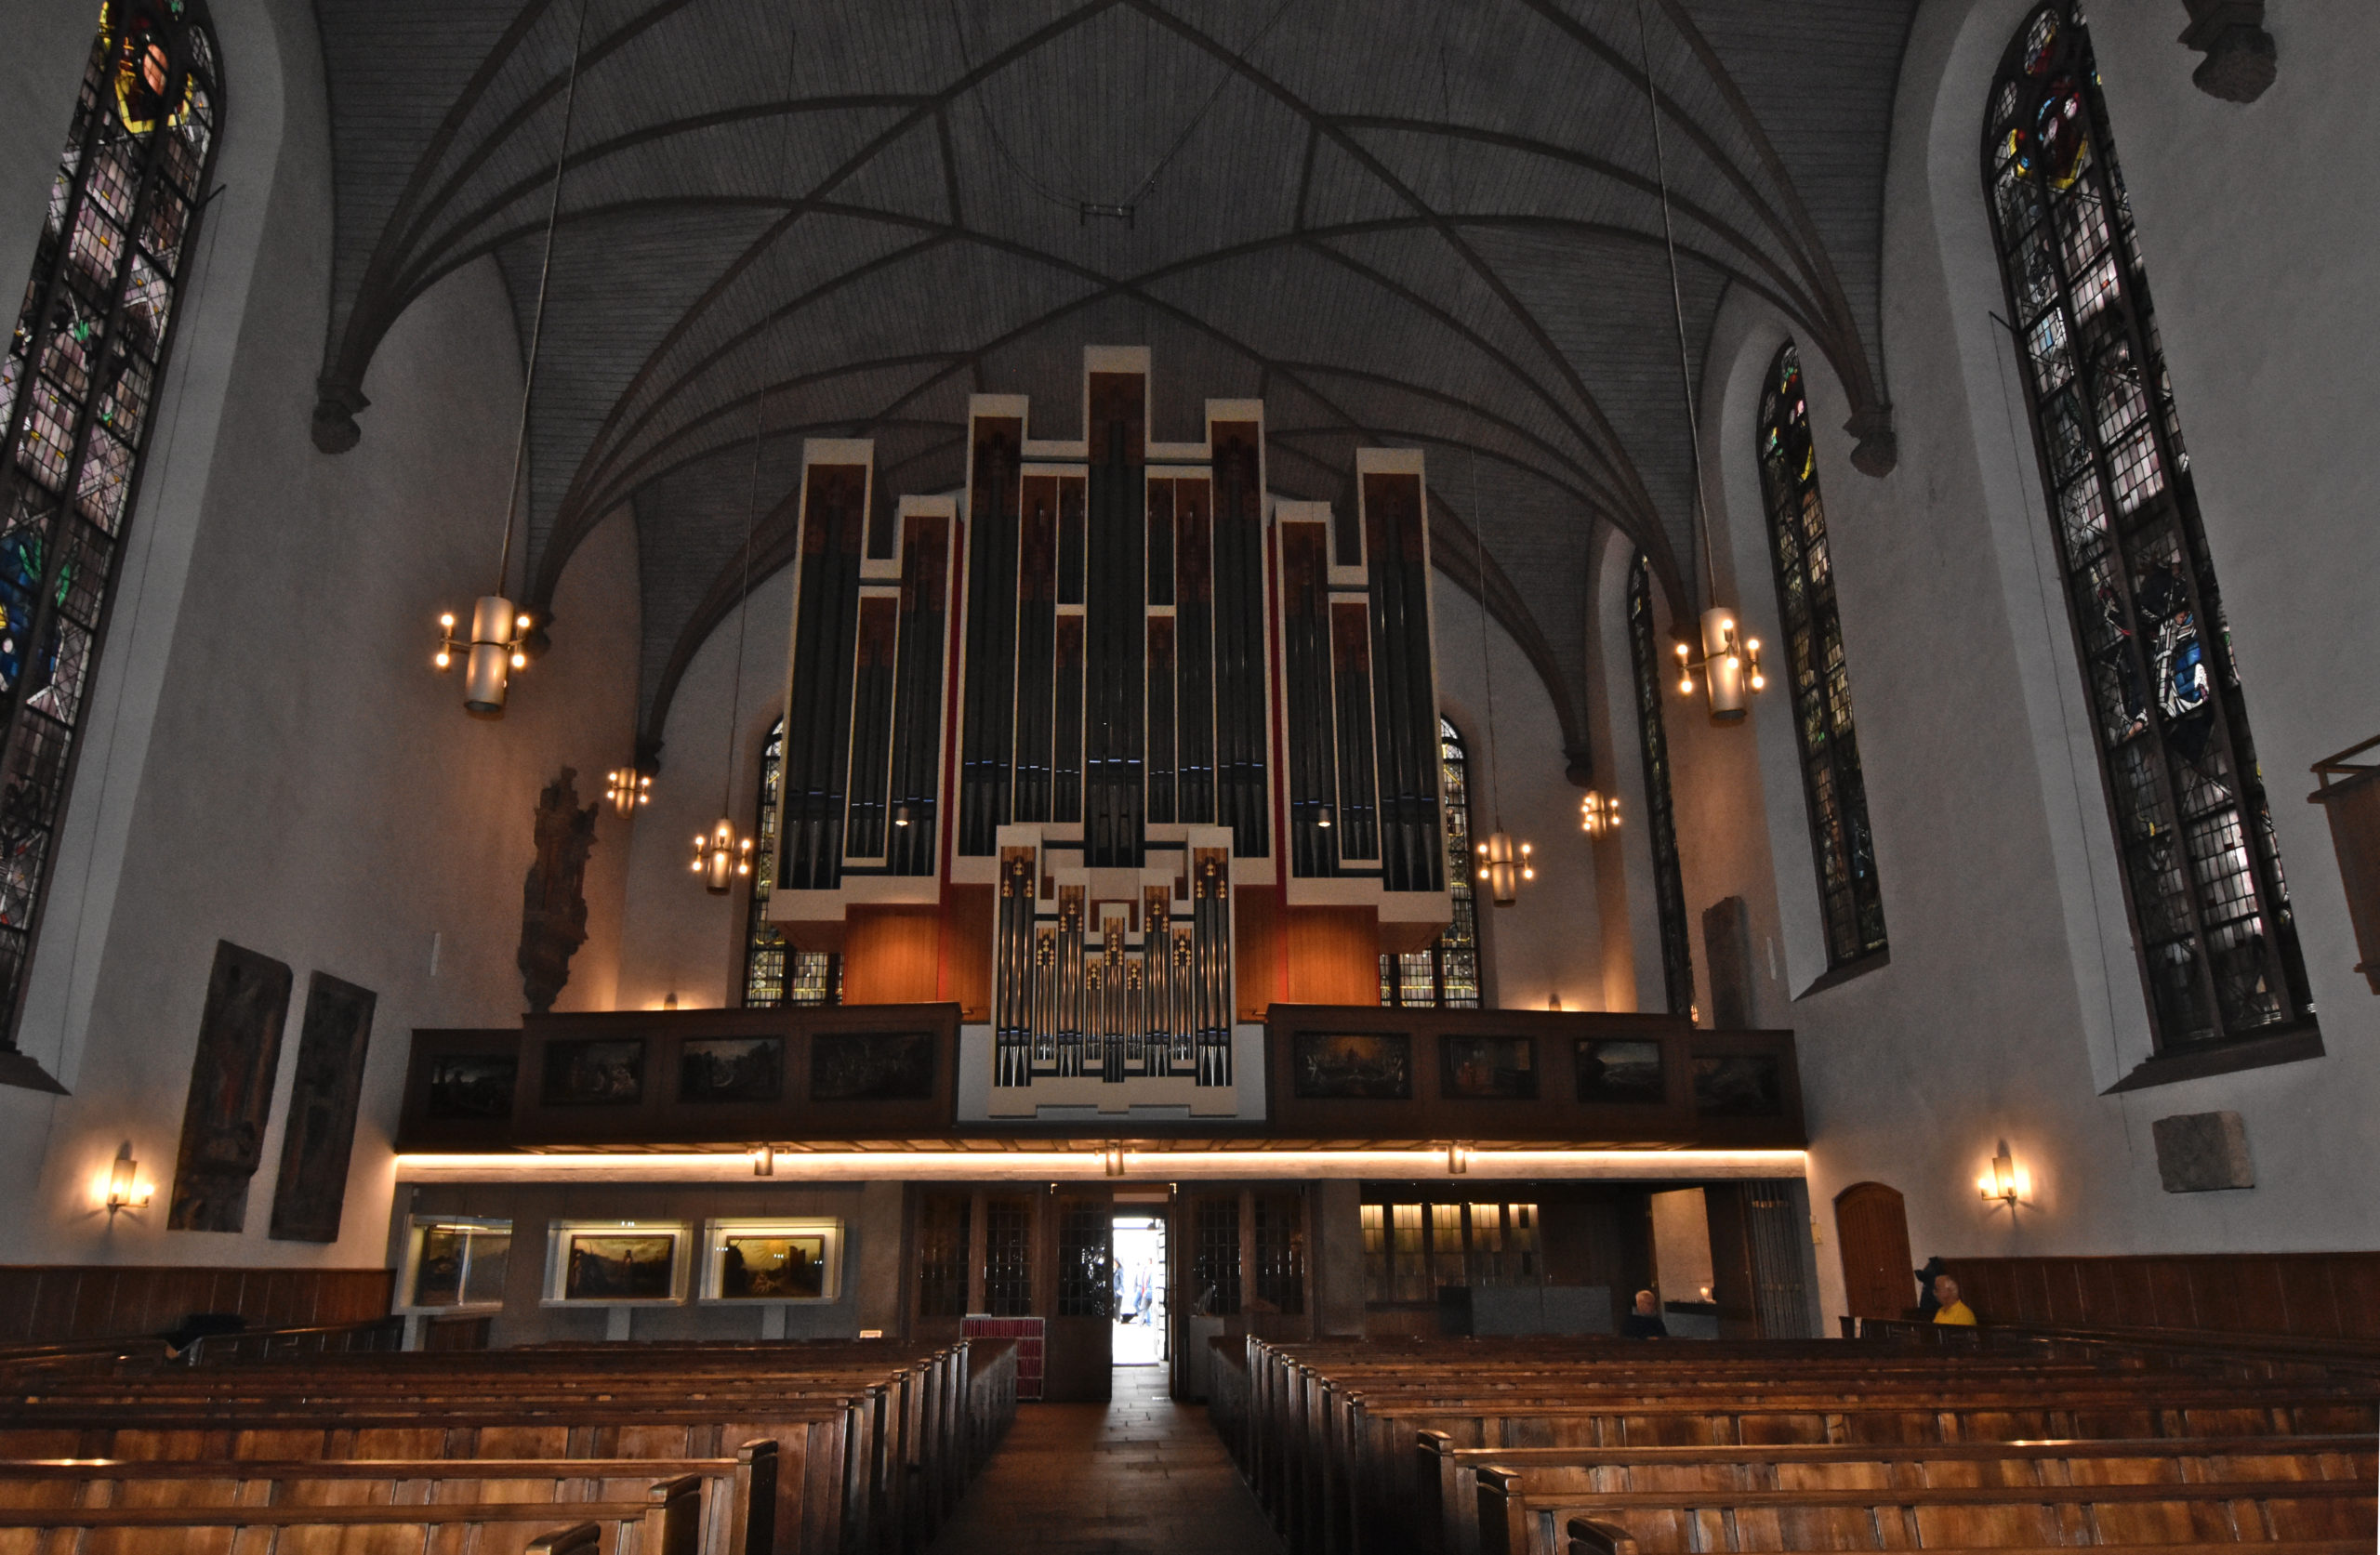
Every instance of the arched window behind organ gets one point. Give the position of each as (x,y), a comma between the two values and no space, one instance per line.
(1669,886)
(1848,898)
(2202,873)
(79,387)
(1447,974)
(775,973)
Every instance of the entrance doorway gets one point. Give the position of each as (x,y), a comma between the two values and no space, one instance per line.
(1140,1330)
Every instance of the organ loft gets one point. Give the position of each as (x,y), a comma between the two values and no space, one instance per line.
(1594,776)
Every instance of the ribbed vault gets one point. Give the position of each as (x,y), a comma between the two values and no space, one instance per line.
(1396,221)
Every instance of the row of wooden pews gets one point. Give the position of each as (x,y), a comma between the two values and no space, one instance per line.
(1602,1447)
(617,1449)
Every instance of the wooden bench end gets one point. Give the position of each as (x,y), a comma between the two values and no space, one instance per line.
(1589,1535)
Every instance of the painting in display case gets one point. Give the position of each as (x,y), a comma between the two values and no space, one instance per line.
(799,1259)
(454,1263)
(1488,1068)
(604,1263)
(1739,1084)
(597,1074)
(871,1066)
(1621,1072)
(1352,1066)
(731,1069)
(472,1086)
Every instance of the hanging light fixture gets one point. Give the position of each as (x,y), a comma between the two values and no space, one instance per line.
(1598,813)
(625,788)
(499,642)
(1730,662)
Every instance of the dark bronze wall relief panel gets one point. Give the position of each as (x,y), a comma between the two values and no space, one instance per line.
(320,1137)
(230,1090)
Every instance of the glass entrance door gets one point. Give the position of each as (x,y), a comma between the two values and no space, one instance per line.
(1140,1315)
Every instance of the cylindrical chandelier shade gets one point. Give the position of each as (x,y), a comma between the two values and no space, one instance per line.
(494,655)
(720,857)
(626,788)
(1506,865)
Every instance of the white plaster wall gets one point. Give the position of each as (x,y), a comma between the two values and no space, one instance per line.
(681,939)
(1551,941)
(269,759)
(2011,1002)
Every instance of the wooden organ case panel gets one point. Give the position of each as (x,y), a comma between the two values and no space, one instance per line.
(1117,693)
(861,802)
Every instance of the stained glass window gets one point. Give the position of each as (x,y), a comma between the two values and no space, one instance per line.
(2201,872)
(1818,680)
(78,389)
(1668,887)
(775,973)
(1447,974)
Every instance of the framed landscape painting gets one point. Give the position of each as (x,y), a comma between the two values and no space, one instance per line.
(594,1074)
(1488,1068)
(609,1264)
(1352,1066)
(730,1069)
(772,1260)
(871,1066)
(1621,1072)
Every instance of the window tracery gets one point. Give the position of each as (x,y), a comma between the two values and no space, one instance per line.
(1447,974)
(78,389)
(1850,900)
(2201,867)
(775,973)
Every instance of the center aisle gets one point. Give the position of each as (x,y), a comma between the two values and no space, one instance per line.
(1139,1474)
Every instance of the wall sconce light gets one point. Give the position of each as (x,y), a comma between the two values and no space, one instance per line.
(720,857)
(491,654)
(122,1187)
(1599,813)
(764,1160)
(2004,1179)
(626,788)
(669,1000)
(1458,1159)
(1115,1160)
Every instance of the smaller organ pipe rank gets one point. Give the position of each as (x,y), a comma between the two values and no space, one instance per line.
(1113,686)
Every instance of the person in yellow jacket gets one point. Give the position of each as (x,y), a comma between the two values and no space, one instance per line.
(1949,1308)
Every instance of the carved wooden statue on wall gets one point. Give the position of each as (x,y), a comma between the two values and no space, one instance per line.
(553,904)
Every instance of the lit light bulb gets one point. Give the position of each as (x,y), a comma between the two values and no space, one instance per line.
(448,620)
(519,661)
(1681,652)
(1685,685)
(444,659)
(523,623)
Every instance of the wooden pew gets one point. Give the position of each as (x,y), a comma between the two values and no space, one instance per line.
(668,1520)
(1521,1506)
(1452,1504)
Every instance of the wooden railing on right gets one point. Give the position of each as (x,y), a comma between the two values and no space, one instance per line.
(2278,1357)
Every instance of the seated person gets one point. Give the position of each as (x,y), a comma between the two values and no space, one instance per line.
(1951,1309)
(1645,1322)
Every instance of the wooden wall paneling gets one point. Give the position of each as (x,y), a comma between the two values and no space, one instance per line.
(1333,954)
(988,687)
(56,1303)
(891,955)
(1256,950)
(2355,1282)
(967,950)
(2309,1300)
(2294,1294)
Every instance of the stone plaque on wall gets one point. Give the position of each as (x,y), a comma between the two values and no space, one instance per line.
(2198,1152)
(230,1090)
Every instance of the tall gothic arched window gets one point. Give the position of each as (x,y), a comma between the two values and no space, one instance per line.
(775,973)
(79,386)
(1849,899)
(1447,974)
(1669,886)
(2202,873)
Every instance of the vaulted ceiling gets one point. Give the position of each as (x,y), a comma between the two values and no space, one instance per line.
(1420,222)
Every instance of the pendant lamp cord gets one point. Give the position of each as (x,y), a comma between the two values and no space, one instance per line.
(545,274)
(1678,303)
(752,493)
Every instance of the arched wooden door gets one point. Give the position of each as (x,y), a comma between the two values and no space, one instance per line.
(1873,1230)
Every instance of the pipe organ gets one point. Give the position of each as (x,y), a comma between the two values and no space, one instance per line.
(1111,745)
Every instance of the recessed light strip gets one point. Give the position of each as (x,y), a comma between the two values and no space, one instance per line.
(1096,1163)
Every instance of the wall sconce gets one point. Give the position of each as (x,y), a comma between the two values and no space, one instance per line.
(492,652)
(1115,1160)
(2005,1181)
(1599,813)
(764,1160)
(626,788)
(720,857)
(1458,1159)
(122,1187)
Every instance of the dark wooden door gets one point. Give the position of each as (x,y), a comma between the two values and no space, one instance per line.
(1869,1222)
